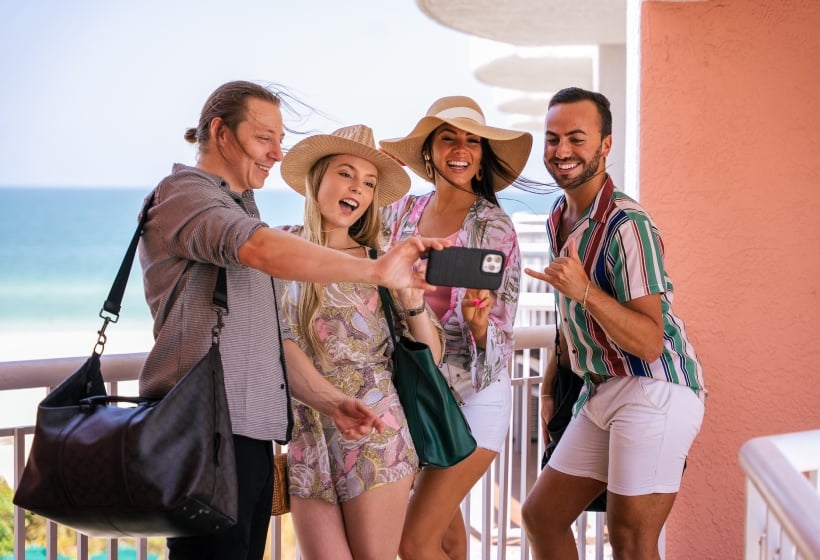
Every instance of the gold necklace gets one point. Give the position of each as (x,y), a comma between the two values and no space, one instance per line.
(352,247)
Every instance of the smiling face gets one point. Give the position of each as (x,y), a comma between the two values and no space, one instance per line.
(250,153)
(456,154)
(346,191)
(574,151)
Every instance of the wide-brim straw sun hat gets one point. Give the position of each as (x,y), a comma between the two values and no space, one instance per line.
(511,146)
(355,140)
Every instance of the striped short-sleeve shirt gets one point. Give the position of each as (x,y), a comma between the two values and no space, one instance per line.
(622,252)
(195,226)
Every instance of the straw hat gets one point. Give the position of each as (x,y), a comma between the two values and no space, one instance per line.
(355,140)
(512,146)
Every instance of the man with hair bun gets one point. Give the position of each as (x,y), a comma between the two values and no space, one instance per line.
(204,217)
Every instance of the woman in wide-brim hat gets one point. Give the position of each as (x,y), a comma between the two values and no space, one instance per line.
(467,161)
(348,498)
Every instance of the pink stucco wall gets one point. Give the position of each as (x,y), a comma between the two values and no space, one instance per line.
(730,170)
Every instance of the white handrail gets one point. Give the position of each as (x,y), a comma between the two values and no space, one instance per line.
(778,488)
(526,368)
(32,374)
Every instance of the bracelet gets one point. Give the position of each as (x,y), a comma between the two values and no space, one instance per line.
(416,311)
(586,293)
(545,395)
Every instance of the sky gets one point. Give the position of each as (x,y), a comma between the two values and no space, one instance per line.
(100,92)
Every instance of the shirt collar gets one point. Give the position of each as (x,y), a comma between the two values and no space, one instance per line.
(597,212)
(602,202)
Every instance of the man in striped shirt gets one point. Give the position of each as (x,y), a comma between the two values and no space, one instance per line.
(643,397)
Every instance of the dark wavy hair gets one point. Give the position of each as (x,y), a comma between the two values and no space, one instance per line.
(575,94)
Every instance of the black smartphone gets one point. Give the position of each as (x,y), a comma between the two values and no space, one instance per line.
(465,267)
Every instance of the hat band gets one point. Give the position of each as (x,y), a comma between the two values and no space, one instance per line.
(461,112)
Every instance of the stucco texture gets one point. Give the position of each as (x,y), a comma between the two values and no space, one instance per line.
(730,170)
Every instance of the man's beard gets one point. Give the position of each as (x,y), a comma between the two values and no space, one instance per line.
(590,170)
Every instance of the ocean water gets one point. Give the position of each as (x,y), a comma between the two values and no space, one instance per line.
(60,249)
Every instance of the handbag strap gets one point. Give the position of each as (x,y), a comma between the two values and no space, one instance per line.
(114,300)
(390,311)
(388,305)
(110,312)
(557,331)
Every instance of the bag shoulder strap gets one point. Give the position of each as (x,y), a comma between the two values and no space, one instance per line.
(389,307)
(114,300)
(110,312)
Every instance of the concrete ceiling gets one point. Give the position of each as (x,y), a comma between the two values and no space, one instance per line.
(526,106)
(534,22)
(537,74)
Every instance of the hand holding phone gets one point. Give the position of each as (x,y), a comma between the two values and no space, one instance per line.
(465,267)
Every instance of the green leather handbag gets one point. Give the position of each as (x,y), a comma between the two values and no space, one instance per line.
(440,432)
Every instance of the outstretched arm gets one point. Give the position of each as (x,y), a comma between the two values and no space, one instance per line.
(288,257)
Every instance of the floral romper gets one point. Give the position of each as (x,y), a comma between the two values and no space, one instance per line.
(321,463)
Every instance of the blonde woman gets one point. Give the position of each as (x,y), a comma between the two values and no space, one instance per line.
(467,162)
(349,497)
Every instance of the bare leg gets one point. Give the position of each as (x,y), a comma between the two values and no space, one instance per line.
(552,506)
(374,520)
(438,494)
(454,542)
(368,527)
(635,524)
(320,530)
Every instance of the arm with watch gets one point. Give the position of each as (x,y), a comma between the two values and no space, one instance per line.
(420,322)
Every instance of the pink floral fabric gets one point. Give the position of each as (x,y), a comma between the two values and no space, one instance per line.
(321,463)
(486,226)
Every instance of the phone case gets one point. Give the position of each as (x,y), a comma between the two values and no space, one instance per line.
(465,267)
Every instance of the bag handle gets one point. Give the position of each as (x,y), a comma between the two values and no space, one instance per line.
(106,399)
(110,312)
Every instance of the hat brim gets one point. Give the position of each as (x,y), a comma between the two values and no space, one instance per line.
(511,146)
(393,182)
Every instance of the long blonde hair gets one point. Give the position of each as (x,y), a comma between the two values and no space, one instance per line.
(365,231)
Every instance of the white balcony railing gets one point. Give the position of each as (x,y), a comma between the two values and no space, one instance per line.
(782,496)
(492,507)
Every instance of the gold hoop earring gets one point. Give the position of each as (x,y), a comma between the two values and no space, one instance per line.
(479,175)
(428,167)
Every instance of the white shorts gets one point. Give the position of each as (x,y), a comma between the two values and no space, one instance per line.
(488,411)
(634,434)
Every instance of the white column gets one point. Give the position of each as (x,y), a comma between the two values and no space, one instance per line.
(632,176)
(612,83)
